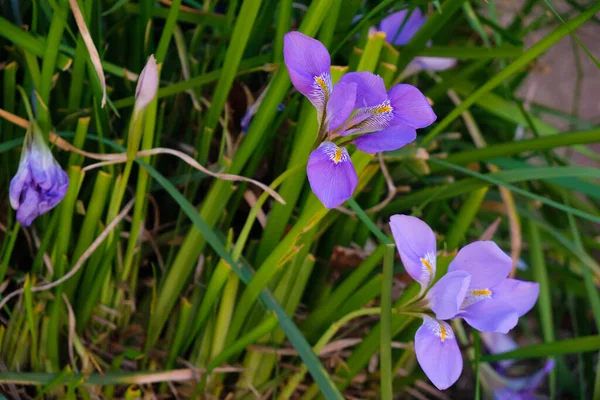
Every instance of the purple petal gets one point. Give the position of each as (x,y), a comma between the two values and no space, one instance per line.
(147,84)
(308,64)
(519,294)
(410,106)
(331,174)
(370,88)
(487,264)
(340,104)
(392,24)
(416,244)
(28,210)
(447,295)
(491,315)
(438,353)
(18,182)
(388,139)
(434,63)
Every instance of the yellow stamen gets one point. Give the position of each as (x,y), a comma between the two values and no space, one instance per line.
(321,84)
(427,265)
(481,292)
(338,155)
(382,109)
(443,332)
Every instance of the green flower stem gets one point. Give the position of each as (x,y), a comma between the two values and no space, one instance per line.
(385,354)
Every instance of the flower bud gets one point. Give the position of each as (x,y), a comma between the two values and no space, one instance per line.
(147,85)
(40,183)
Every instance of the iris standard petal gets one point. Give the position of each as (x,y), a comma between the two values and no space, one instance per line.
(370,88)
(519,294)
(487,264)
(447,295)
(308,65)
(491,315)
(331,174)
(410,106)
(340,104)
(438,352)
(388,139)
(416,244)
(391,26)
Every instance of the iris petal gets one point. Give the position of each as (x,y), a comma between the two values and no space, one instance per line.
(388,139)
(410,106)
(519,294)
(447,295)
(308,64)
(391,26)
(416,244)
(487,264)
(331,174)
(491,315)
(438,352)
(340,104)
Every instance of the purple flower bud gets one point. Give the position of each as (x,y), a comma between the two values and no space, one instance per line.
(40,183)
(147,84)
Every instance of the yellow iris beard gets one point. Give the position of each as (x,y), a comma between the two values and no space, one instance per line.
(338,155)
(427,265)
(481,292)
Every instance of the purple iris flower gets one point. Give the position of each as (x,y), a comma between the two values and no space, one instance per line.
(40,183)
(472,279)
(399,34)
(355,110)
(503,386)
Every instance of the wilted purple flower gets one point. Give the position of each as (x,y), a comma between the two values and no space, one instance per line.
(453,296)
(399,34)
(357,105)
(147,84)
(503,386)
(40,183)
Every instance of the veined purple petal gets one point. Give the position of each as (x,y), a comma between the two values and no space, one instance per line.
(438,352)
(487,264)
(416,244)
(147,84)
(391,26)
(410,106)
(388,139)
(340,104)
(331,174)
(519,294)
(308,63)
(447,295)
(490,315)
